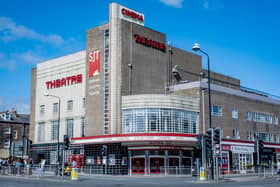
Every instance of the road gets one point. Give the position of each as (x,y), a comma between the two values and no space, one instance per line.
(125,181)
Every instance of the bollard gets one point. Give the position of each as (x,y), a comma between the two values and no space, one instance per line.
(74,174)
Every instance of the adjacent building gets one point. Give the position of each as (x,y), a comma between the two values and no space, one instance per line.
(134,104)
(14,135)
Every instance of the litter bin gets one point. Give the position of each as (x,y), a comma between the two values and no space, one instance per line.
(74,174)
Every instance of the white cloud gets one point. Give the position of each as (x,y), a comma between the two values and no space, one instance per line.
(174,3)
(28,57)
(7,64)
(10,31)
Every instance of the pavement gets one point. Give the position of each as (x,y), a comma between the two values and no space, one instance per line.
(82,177)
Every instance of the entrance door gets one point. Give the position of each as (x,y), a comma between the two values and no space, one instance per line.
(242,163)
(138,165)
(173,167)
(157,165)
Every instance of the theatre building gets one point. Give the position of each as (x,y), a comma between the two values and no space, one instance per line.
(132,104)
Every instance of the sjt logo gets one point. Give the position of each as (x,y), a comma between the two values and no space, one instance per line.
(94,63)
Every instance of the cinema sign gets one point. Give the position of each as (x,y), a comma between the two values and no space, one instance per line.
(131,15)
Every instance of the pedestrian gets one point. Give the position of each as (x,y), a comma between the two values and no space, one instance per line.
(74,164)
(42,167)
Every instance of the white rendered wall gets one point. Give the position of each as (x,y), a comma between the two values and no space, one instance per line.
(59,68)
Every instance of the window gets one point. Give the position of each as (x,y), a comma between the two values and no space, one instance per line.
(262,118)
(216,110)
(7,130)
(70,105)
(82,126)
(170,120)
(248,116)
(14,134)
(69,127)
(249,135)
(84,102)
(235,134)
(55,107)
(234,113)
(6,143)
(42,109)
(275,120)
(41,132)
(54,132)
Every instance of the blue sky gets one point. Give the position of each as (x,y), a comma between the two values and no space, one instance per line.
(241,37)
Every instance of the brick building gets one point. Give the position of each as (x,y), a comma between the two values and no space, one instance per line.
(129,114)
(14,134)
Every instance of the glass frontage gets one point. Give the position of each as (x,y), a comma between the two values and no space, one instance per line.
(170,120)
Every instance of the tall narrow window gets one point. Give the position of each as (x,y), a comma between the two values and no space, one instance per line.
(69,127)
(234,113)
(41,132)
(106,81)
(70,105)
(55,107)
(54,130)
(82,126)
(235,134)
(42,109)
(15,134)
(84,102)
(249,135)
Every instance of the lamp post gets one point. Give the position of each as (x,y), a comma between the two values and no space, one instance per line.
(196,47)
(58,125)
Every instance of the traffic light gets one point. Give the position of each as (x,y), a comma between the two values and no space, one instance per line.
(217,136)
(208,139)
(66,142)
(104,150)
(199,142)
(260,146)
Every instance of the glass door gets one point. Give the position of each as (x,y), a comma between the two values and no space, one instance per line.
(138,165)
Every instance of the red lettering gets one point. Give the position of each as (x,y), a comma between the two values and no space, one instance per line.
(68,80)
(132,15)
(57,83)
(73,79)
(79,78)
(149,42)
(64,81)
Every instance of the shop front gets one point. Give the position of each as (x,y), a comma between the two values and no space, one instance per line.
(237,158)
(137,154)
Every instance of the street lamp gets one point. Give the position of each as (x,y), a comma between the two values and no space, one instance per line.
(58,125)
(196,47)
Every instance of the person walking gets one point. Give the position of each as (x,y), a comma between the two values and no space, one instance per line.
(42,167)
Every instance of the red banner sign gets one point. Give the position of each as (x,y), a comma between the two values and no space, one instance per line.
(94,63)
